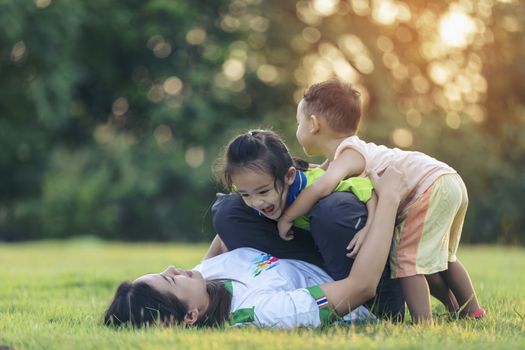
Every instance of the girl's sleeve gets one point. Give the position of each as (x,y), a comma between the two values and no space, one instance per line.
(305,307)
(360,186)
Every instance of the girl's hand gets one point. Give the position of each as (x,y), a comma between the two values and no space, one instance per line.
(356,242)
(284,226)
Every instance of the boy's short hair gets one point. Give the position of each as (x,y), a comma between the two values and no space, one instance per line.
(338,103)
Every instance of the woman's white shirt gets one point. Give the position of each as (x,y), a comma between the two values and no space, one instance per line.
(272,292)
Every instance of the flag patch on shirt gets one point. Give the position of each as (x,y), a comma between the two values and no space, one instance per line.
(321,301)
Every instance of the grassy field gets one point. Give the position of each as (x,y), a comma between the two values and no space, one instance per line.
(52,296)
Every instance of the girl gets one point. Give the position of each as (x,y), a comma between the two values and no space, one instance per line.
(269,184)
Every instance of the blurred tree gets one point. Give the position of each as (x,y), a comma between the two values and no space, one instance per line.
(112,113)
(441,77)
(108,118)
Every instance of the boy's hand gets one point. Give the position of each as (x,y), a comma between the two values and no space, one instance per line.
(284,226)
(356,242)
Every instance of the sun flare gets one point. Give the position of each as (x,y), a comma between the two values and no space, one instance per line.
(455,28)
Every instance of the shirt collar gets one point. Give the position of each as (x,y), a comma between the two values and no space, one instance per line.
(299,183)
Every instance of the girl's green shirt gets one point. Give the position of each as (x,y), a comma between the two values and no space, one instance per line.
(360,186)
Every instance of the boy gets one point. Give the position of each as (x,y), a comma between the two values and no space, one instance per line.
(431,216)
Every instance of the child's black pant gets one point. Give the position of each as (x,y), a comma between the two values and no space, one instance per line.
(334,221)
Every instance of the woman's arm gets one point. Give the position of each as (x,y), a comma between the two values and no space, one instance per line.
(349,163)
(355,244)
(361,284)
(217,247)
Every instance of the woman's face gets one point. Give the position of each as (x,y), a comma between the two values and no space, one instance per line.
(258,191)
(188,286)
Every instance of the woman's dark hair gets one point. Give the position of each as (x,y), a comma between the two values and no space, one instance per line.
(139,305)
(258,150)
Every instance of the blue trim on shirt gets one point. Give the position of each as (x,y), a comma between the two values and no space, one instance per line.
(299,183)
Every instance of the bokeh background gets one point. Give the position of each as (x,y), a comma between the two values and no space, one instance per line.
(112,113)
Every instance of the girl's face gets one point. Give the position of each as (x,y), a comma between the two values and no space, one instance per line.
(258,191)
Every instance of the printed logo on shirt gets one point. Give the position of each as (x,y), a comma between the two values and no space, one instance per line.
(263,263)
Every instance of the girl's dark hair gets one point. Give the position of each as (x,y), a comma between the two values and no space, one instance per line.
(258,150)
(139,305)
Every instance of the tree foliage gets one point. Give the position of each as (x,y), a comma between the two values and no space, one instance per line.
(113,113)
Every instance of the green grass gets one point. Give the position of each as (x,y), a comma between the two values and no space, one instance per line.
(52,295)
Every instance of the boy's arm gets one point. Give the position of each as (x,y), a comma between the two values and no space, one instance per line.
(349,162)
(359,237)
(217,247)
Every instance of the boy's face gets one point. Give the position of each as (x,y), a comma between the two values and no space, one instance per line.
(304,134)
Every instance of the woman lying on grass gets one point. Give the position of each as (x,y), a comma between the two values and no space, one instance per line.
(246,286)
